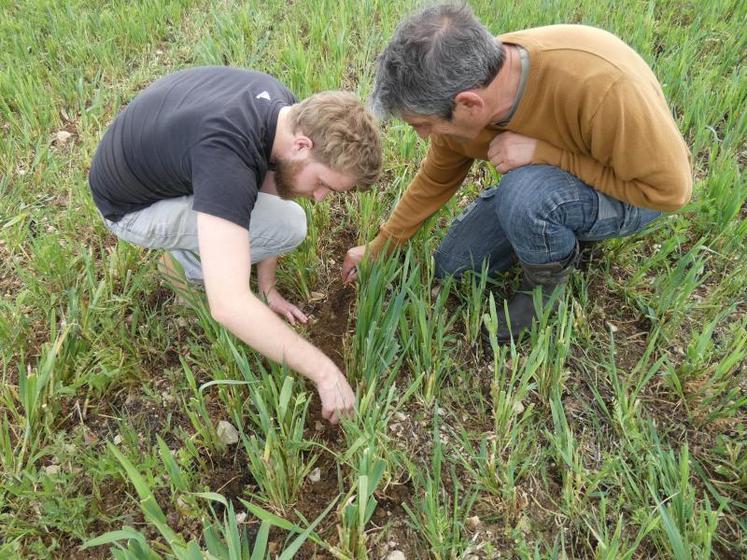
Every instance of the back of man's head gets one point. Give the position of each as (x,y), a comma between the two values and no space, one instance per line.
(345,135)
(435,54)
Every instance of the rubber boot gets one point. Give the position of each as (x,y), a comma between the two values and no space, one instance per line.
(521,310)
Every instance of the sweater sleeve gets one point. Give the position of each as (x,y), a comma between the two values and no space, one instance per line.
(441,173)
(637,155)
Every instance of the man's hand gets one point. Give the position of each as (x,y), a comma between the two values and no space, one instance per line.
(284,308)
(336,395)
(509,150)
(350,264)
(276,302)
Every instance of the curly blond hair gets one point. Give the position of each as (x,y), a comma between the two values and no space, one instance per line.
(345,135)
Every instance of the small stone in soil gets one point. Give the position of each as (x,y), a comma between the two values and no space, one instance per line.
(315,475)
(316,296)
(227,433)
(62,137)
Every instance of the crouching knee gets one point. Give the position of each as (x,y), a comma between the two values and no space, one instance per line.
(446,264)
(294,226)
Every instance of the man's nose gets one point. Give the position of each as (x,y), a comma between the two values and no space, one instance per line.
(320,194)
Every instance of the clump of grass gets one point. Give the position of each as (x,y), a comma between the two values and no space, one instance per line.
(438,513)
(358,506)
(277,452)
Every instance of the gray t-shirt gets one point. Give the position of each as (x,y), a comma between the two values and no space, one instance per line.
(205,131)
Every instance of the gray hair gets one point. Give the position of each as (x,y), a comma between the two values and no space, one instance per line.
(435,54)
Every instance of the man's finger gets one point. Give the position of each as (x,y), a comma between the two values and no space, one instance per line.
(351,275)
(290,317)
(492,152)
(495,158)
(297,313)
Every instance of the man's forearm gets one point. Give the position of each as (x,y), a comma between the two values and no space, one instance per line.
(256,325)
(419,202)
(440,175)
(266,275)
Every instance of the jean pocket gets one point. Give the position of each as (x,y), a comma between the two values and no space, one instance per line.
(617,219)
(126,222)
(610,219)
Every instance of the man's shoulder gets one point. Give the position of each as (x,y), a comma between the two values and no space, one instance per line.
(217,82)
(575,44)
(562,36)
(202,72)
(579,53)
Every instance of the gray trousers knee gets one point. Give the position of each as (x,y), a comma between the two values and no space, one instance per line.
(277,226)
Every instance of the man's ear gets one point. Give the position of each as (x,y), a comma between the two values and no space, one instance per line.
(469,101)
(302,143)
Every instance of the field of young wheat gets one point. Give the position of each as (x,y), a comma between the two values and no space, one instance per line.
(618,430)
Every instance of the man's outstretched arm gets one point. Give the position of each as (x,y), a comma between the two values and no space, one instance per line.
(224,251)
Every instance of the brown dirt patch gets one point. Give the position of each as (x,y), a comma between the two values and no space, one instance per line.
(329,328)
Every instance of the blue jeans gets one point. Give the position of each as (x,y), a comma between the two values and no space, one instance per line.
(536,213)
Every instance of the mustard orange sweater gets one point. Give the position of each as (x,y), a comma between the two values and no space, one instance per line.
(597,111)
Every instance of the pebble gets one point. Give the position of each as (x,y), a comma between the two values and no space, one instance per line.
(316,296)
(315,475)
(395,555)
(62,136)
(473,522)
(227,433)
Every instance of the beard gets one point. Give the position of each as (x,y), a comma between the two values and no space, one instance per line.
(285,175)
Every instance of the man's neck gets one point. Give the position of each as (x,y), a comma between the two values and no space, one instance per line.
(283,136)
(502,91)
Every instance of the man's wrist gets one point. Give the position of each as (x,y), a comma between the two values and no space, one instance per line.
(379,245)
(325,373)
(267,290)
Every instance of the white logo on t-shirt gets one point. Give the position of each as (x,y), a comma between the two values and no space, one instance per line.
(264,95)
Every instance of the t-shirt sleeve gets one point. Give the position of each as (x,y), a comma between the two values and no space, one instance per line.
(224,185)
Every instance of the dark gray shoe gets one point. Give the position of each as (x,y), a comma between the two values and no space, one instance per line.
(521,309)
